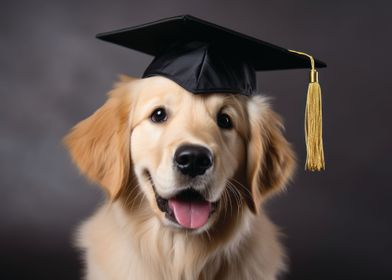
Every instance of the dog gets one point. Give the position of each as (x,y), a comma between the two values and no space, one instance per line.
(185,177)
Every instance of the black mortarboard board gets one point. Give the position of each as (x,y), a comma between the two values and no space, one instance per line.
(203,57)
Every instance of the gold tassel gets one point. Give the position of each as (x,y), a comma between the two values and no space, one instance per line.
(313,122)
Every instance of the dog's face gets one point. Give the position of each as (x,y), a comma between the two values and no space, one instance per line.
(185,149)
(191,156)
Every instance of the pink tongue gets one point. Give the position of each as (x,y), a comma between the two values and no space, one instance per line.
(190,214)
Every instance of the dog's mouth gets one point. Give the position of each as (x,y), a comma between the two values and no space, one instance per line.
(188,208)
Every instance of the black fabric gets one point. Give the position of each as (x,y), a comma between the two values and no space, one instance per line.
(201,67)
(203,57)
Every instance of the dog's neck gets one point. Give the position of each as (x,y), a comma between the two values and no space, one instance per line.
(186,255)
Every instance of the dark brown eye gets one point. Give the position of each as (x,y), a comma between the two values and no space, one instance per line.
(224,121)
(159,115)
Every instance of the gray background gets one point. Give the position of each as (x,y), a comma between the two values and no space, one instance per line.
(53,73)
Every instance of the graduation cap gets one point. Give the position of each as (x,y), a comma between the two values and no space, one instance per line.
(203,57)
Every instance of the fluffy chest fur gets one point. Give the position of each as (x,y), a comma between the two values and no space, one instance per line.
(117,246)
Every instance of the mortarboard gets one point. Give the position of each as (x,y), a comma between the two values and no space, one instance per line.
(203,57)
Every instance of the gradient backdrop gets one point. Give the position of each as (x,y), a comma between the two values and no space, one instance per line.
(54,73)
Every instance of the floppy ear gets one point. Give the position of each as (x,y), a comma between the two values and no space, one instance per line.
(271,161)
(99,145)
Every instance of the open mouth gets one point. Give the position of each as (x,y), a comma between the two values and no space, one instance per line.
(188,208)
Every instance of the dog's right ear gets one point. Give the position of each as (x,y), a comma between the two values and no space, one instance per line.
(100,146)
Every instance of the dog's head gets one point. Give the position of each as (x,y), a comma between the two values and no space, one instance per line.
(190,157)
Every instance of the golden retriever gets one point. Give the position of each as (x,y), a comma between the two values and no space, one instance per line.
(185,177)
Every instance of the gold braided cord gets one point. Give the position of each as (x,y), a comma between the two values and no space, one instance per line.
(305,54)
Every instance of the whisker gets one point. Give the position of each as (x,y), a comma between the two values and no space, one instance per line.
(224,204)
(136,198)
(229,200)
(241,185)
(237,196)
(141,200)
(208,235)
(130,193)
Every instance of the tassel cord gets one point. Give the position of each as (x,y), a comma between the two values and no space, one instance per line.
(313,121)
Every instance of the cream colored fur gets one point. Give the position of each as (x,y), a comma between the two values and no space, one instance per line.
(128,237)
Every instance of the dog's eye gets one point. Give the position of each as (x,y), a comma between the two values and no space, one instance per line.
(224,121)
(159,115)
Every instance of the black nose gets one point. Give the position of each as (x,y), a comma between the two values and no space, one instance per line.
(193,160)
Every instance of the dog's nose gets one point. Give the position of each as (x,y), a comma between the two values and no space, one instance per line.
(193,160)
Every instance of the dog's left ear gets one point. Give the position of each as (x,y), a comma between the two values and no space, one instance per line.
(270,159)
(99,145)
